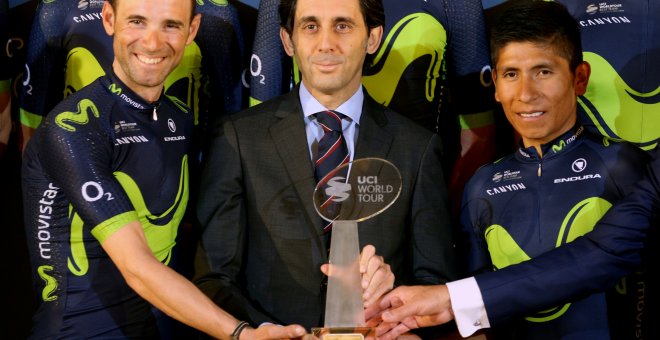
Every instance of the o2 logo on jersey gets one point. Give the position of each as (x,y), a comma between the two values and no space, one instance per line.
(579,165)
(93,191)
(171,125)
(26,81)
(255,69)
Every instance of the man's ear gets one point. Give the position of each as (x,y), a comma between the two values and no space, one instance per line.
(108,15)
(287,42)
(582,73)
(493,74)
(194,28)
(373,42)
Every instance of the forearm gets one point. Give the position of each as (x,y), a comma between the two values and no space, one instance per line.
(162,286)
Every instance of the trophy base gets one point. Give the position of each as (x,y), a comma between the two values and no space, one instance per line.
(344,333)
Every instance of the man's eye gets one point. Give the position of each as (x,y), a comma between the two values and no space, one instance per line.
(343,27)
(310,27)
(509,75)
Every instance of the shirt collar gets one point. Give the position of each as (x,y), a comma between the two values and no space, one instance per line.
(352,108)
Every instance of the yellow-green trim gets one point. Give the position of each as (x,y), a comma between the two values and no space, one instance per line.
(30,119)
(5,85)
(476,120)
(111,225)
(254,101)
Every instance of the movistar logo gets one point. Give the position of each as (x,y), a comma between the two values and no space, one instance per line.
(47,294)
(114,89)
(407,42)
(562,143)
(118,91)
(337,189)
(608,95)
(505,251)
(81,117)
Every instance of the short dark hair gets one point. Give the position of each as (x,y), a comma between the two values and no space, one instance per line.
(193,5)
(544,22)
(372,11)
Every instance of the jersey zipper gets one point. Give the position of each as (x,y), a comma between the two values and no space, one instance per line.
(155,112)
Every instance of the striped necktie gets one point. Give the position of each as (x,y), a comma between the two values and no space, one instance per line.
(332,149)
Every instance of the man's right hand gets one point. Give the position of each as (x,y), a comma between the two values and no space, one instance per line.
(410,307)
(271,331)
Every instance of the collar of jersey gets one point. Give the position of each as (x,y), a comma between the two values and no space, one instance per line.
(127,97)
(560,144)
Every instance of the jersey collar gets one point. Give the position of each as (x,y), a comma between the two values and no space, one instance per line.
(127,97)
(558,145)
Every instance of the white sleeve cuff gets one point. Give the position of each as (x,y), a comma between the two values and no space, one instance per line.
(468,306)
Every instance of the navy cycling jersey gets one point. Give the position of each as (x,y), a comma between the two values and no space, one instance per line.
(68,48)
(523,205)
(428,49)
(102,158)
(621,42)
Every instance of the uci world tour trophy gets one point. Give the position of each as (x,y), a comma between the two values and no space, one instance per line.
(372,186)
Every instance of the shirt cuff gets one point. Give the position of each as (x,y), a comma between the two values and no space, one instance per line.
(468,306)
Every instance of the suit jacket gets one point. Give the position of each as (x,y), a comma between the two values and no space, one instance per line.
(591,263)
(262,236)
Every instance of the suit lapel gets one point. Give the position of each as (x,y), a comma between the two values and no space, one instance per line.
(373,139)
(290,139)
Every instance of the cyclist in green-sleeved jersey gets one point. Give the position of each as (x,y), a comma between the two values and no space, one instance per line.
(433,66)
(105,183)
(68,49)
(621,42)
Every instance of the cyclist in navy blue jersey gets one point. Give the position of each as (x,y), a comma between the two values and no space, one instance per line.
(105,182)
(547,195)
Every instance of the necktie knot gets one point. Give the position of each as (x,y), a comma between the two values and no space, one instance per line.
(330,120)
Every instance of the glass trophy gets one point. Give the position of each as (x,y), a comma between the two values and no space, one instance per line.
(371,186)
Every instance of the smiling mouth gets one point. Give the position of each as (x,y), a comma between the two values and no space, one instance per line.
(531,114)
(149,61)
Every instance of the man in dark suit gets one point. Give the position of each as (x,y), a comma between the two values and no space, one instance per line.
(263,240)
(523,61)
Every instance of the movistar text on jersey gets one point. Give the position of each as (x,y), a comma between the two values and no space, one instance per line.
(44,219)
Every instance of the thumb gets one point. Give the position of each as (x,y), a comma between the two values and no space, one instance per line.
(325,269)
